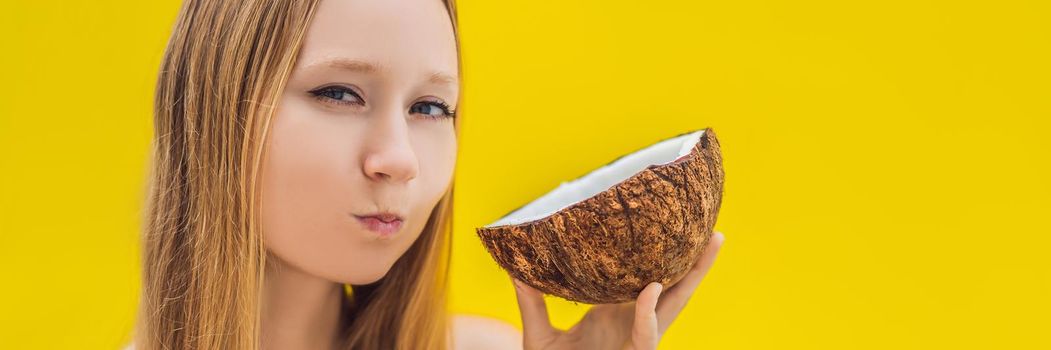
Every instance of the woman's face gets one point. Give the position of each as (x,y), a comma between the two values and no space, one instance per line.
(362,127)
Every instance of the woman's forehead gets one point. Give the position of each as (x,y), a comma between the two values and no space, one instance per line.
(389,37)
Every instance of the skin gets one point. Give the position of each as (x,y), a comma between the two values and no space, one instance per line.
(359,129)
(637,325)
(334,155)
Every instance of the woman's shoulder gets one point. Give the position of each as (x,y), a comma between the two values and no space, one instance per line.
(479,332)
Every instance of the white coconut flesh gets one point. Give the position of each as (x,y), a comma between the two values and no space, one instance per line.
(602,179)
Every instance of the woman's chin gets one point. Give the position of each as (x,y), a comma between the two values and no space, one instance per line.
(366,276)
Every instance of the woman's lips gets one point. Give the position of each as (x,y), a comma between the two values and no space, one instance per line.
(384,225)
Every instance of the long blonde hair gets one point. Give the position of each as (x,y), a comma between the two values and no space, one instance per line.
(225,65)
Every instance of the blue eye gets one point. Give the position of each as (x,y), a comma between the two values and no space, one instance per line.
(433,109)
(346,96)
(337,94)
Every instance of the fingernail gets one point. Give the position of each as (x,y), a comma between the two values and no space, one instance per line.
(660,287)
(719,236)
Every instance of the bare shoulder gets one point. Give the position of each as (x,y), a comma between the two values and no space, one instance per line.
(472,332)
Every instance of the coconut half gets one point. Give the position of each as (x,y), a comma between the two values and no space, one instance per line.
(601,238)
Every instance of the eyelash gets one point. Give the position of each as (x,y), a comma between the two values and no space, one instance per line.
(320,95)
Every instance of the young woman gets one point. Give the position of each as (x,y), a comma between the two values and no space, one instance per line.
(301,188)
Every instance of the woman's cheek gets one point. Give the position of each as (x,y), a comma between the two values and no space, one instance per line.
(307,190)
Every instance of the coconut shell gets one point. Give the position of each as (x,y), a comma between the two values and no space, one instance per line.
(651,227)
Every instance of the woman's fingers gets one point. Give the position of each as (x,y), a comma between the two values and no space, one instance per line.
(644,333)
(535,321)
(678,295)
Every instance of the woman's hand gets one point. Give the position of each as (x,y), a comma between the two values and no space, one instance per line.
(636,325)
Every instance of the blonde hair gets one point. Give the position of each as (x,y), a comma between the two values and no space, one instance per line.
(225,65)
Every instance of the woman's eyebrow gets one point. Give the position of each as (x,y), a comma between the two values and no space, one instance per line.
(359,66)
(439,78)
(349,64)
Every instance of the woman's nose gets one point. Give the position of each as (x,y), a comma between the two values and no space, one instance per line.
(389,155)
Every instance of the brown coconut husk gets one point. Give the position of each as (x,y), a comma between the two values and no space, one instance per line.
(650,227)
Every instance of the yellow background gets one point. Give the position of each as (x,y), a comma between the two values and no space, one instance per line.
(887,162)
